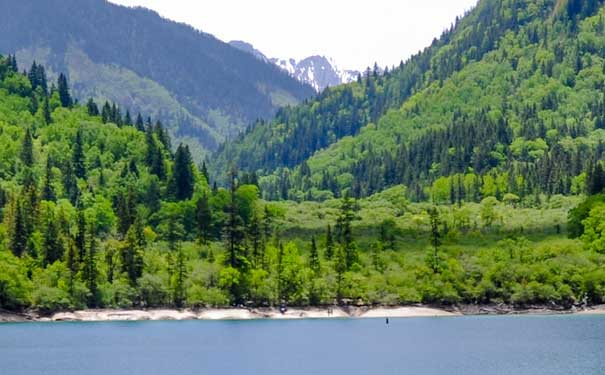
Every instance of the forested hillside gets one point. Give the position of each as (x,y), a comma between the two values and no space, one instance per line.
(98,212)
(203,89)
(509,100)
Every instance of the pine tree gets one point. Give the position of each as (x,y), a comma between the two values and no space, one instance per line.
(139,123)
(204,219)
(78,157)
(46,112)
(90,271)
(52,246)
(48,191)
(80,240)
(182,182)
(314,262)
(72,263)
(234,229)
(344,230)
(70,183)
(131,257)
(18,238)
(329,243)
(267,225)
(106,113)
(255,236)
(127,118)
(64,96)
(204,170)
(435,238)
(27,149)
(92,108)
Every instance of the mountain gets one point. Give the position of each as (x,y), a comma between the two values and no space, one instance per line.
(509,100)
(204,89)
(319,72)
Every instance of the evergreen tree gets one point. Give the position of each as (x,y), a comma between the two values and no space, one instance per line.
(92,108)
(70,183)
(131,257)
(72,263)
(435,238)
(255,235)
(27,149)
(204,219)
(329,243)
(80,240)
(182,182)
(344,230)
(139,123)
(90,272)
(46,111)
(234,229)
(52,245)
(127,118)
(78,157)
(267,225)
(48,191)
(106,115)
(18,238)
(314,262)
(63,88)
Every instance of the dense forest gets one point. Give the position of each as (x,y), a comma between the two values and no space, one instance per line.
(508,101)
(472,174)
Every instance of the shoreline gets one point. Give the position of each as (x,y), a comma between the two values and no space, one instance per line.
(337,312)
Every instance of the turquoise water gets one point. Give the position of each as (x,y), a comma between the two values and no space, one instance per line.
(536,345)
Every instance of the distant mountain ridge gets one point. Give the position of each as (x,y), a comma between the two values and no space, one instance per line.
(317,71)
(205,90)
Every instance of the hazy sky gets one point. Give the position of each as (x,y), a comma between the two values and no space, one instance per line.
(356,33)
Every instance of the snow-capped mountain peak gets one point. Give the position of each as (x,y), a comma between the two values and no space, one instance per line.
(318,71)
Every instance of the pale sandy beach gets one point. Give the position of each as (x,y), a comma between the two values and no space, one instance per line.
(101,315)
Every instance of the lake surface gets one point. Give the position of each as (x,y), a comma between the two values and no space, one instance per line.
(536,345)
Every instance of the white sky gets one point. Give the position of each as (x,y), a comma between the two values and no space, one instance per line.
(356,33)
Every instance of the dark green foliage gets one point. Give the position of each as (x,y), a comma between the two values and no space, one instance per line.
(18,238)
(329,243)
(48,191)
(52,246)
(27,149)
(131,257)
(63,89)
(78,158)
(182,180)
(92,108)
(314,262)
(204,219)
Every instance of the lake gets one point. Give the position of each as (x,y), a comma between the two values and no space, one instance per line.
(516,345)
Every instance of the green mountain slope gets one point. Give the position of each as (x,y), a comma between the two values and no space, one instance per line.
(509,101)
(98,212)
(205,90)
